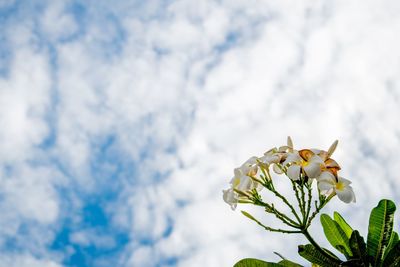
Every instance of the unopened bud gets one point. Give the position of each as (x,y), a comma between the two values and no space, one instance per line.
(290,143)
(332,148)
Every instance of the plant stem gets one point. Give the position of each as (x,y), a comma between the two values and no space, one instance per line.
(297,194)
(287,203)
(281,216)
(270,228)
(308,203)
(318,209)
(303,200)
(270,208)
(315,244)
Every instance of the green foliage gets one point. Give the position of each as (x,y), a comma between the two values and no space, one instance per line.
(343,224)
(382,248)
(259,263)
(288,263)
(336,235)
(380,230)
(359,249)
(394,238)
(313,255)
(392,258)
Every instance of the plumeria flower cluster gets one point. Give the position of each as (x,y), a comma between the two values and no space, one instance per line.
(301,166)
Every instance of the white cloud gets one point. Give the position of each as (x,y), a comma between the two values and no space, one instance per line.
(25,261)
(56,23)
(92,237)
(190,93)
(24,99)
(293,80)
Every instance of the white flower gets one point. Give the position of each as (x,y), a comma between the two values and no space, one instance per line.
(242,181)
(272,156)
(276,156)
(249,168)
(304,160)
(230,197)
(328,184)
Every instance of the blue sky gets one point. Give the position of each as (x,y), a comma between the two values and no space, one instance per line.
(122,122)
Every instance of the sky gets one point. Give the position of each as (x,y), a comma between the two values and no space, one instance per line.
(121,122)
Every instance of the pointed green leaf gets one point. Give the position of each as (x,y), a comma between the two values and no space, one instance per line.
(393,257)
(343,224)
(380,229)
(248,215)
(255,263)
(335,235)
(358,247)
(310,253)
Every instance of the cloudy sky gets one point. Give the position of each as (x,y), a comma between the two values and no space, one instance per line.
(121,122)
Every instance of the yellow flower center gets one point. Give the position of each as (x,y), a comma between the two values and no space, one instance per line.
(304,163)
(340,186)
(236,182)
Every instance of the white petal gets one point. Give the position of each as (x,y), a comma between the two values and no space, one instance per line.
(344,181)
(289,142)
(292,157)
(245,169)
(332,148)
(268,159)
(293,172)
(313,170)
(235,182)
(246,183)
(238,172)
(316,159)
(229,197)
(327,176)
(258,187)
(271,151)
(325,186)
(265,159)
(346,195)
(276,169)
(283,149)
(250,161)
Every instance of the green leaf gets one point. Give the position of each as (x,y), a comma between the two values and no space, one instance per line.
(393,257)
(394,238)
(310,253)
(380,230)
(259,263)
(288,263)
(255,263)
(358,248)
(248,215)
(335,235)
(343,224)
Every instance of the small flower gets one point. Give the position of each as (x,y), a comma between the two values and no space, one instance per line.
(273,156)
(242,181)
(276,156)
(230,197)
(303,161)
(249,168)
(329,184)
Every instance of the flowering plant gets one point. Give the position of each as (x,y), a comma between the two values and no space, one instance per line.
(315,180)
